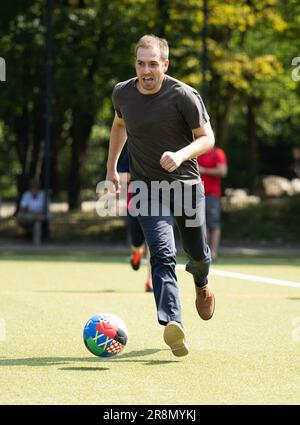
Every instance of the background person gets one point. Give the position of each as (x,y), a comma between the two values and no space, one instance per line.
(31,211)
(294,168)
(213,167)
(139,247)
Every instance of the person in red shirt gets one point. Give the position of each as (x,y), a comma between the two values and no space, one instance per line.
(212,168)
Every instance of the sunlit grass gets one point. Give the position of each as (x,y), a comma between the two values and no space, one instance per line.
(248,353)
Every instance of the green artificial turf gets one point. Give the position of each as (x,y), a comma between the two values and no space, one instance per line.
(247,354)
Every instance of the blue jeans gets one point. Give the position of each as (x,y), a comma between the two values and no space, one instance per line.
(213,212)
(159,234)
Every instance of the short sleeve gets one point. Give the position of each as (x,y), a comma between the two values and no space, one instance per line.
(193,110)
(221,156)
(24,200)
(115,101)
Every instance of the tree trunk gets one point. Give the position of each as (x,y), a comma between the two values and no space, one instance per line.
(227,102)
(55,148)
(22,148)
(163,17)
(221,106)
(80,132)
(253,105)
(36,133)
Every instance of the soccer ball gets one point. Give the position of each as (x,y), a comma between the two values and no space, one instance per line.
(105,335)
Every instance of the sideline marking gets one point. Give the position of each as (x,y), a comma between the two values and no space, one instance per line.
(249,277)
(244,276)
(2,330)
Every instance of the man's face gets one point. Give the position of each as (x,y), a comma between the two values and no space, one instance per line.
(150,69)
(296,154)
(34,190)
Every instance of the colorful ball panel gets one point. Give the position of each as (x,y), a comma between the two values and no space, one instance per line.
(105,335)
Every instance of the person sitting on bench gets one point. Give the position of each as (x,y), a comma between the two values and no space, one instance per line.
(31,215)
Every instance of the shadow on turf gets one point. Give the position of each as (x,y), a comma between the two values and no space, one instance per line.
(132,356)
(85,369)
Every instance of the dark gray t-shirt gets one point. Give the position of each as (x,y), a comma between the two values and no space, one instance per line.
(159,122)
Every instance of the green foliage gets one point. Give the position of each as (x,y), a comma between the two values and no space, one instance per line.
(253,102)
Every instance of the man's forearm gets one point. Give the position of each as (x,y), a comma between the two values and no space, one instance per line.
(215,172)
(219,171)
(116,144)
(197,147)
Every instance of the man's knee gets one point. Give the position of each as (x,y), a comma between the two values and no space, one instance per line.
(163,257)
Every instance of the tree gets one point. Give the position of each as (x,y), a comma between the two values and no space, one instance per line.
(253,103)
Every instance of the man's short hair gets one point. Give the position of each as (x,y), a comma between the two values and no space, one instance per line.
(153,41)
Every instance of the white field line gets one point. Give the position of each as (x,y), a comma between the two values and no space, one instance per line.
(243,276)
(249,277)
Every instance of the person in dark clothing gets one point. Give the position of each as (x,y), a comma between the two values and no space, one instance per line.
(138,244)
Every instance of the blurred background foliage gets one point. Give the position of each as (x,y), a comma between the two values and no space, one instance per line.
(252,100)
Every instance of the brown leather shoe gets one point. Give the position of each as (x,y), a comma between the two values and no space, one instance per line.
(205,302)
